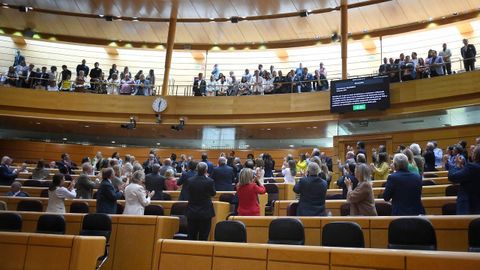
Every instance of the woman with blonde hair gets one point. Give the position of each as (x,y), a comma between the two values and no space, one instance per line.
(412,166)
(170,181)
(136,197)
(248,188)
(362,202)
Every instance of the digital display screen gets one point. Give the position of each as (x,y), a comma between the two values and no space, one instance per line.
(360,94)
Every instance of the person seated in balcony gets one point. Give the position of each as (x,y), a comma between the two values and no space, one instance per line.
(289,82)
(137,76)
(232,85)
(243,87)
(126,85)
(212,87)
(320,82)
(80,82)
(65,75)
(125,73)
(113,85)
(436,65)
(83,66)
(44,78)
(12,77)
(95,75)
(52,86)
(247,75)
(278,82)
(268,83)
(199,86)
(409,72)
(304,81)
(141,86)
(423,71)
(384,68)
(256,83)
(394,70)
(16,190)
(222,86)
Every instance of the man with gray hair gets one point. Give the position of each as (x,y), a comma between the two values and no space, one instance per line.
(200,210)
(84,185)
(167,164)
(223,176)
(7,174)
(404,189)
(417,156)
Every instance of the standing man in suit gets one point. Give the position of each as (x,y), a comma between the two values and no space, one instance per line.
(182,181)
(404,188)
(199,86)
(83,67)
(155,182)
(106,195)
(209,164)
(468,52)
(65,165)
(223,176)
(7,174)
(148,164)
(18,59)
(200,210)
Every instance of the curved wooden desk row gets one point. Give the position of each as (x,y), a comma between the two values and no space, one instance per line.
(432,205)
(28,175)
(451,231)
(46,251)
(131,242)
(172,254)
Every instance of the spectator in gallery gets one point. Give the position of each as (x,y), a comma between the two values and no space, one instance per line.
(268,83)
(436,65)
(256,83)
(11,77)
(83,67)
(468,53)
(260,69)
(384,68)
(212,86)
(126,85)
(199,86)
(247,75)
(216,72)
(80,82)
(53,74)
(151,78)
(125,73)
(409,72)
(141,86)
(323,70)
(95,75)
(304,81)
(112,71)
(243,87)
(299,70)
(19,58)
(422,70)
(44,78)
(222,86)
(445,54)
(16,190)
(137,76)
(113,85)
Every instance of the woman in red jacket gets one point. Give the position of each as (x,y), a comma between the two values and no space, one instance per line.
(248,189)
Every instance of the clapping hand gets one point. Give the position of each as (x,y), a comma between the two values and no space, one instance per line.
(348,182)
(151,193)
(459,161)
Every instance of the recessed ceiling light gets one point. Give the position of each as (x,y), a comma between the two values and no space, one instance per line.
(113,141)
(365,30)
(269,129)
(38,123)
(291,145)
(158,143)
(87,126)
(124,145)
(101,15)
(430,19)
(314,127)
(64,139)
(135,19)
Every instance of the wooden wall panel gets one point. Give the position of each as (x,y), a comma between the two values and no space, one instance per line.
(25,150)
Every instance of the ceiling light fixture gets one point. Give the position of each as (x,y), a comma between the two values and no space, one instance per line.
(269,129)
(64,139)
(101,15)
(38,123)
(135,19)
(87,126)
(113,142)
(291,145)
(234,19)
(304,13)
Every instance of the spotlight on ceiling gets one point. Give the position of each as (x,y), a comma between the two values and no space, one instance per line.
(234,19)
(336,37)
(304,13)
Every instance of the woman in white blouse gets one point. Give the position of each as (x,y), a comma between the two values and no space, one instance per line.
(136,196)
(289,171)
(212,87)
(57,194)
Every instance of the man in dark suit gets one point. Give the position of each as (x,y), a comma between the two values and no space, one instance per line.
(182,181)
(327,160)
(154,181)
(468,52)
(404,189)
(148,164)
(18,59)
(223,176)
(209,164)
(65,165)
(200,210)
(106,195)
(348,172)
(199,86)
(7,174)
(83,67)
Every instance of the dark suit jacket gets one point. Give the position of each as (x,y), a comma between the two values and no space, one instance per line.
(155,182)
(210,167)
(223,176)
(312,190)
(468,198)
(85,69)
(199,87)
(64,167)
(200,192)
(182,181)
(429,161)
(405,190)
(18,59)
(341,183)
(107,198)
(6,175)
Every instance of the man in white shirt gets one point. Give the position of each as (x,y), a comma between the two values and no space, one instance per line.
(438,152)
(257,83)
(445,53)
(247,75)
